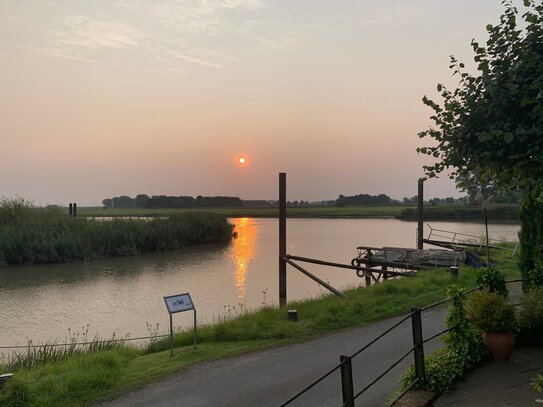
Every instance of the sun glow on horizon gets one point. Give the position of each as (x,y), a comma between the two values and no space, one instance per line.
(242,160)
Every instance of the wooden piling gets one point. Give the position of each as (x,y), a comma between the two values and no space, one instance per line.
(420,214)
(367,273)
(282,239)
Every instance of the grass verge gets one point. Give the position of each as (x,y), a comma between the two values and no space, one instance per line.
(82,379)
(267,212)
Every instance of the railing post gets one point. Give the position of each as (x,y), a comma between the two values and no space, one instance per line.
(418,343)
(347,388)
(282,239)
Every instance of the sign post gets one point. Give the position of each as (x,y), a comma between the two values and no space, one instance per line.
(179,303)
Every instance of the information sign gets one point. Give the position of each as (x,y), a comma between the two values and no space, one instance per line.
(179,303)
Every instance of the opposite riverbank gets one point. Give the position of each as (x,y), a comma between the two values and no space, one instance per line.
(497,212)
(80,377)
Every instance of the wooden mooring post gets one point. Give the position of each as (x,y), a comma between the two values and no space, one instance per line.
(282,239)
(367,273)
(420,214)
(72,209)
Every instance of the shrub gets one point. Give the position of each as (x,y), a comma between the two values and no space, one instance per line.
(463,350)
(490,312)
(493,280)
(530,315)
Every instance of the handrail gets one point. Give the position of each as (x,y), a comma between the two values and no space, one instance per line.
(309,386)
(479,239)
(383,334)
(454,234)
(435,304)
(439,334)
(413,383)
(394,326)
(385,372)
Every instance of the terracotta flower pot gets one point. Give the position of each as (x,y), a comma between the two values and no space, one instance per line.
(499,345)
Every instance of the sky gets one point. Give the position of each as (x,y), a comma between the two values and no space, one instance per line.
(101,98)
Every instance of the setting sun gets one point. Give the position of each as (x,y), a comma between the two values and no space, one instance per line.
(242,160)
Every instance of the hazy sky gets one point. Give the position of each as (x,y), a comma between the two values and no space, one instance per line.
(101,98)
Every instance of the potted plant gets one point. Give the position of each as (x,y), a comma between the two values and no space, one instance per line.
(530,316)
(495,317)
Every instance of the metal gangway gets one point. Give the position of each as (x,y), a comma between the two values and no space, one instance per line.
(455,240)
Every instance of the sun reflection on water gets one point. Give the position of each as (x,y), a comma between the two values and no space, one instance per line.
(243,250)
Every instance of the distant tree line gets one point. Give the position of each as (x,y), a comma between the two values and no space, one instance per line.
(163,201)
(363,199)
(437,201)
(253,203)
(474,198)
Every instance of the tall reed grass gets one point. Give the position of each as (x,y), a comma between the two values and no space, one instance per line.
(77,343)
(32,235)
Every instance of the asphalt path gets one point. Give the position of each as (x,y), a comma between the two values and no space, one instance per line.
(270,377)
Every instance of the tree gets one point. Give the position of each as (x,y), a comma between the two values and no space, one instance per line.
(491,126)
(141,201)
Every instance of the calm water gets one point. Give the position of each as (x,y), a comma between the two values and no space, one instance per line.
(121,295)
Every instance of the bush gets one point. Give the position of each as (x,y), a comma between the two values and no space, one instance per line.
(463,350)
(490,312)
(493,280)
(530,316)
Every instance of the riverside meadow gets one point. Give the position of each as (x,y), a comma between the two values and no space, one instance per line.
(79,375)
(84,375)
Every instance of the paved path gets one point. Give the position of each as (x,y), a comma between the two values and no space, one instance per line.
(498,384)
(270,377)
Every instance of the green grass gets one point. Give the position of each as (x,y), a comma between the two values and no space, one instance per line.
(81,379)
(306,212)
(438,212)
(463,212)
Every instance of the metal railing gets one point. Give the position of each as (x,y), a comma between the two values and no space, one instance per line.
(417,350)
(466,239)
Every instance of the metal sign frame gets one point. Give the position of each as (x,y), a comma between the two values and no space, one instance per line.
(179,303)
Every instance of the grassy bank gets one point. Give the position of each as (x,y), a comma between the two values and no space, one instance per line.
(269,212)
(438,212)
(463,212)
(81,379)
(31,235)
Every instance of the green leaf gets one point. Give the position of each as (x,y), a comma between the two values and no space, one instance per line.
(525,101)
(508,137)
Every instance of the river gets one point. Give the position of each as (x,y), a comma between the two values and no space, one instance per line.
(122,295)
